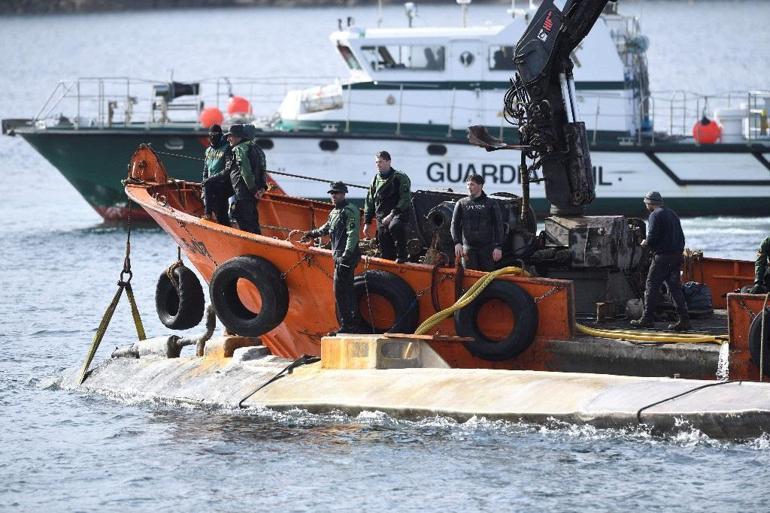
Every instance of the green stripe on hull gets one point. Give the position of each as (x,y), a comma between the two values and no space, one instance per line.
(463,85)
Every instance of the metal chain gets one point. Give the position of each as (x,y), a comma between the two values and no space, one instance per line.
(548,293)
(178,155)
(305,258)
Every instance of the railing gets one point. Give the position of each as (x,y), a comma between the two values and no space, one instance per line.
(100,102)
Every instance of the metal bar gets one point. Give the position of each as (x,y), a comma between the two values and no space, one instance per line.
(451,113)
(347,110)
(400,102)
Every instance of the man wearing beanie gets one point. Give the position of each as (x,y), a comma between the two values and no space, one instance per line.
(665,240)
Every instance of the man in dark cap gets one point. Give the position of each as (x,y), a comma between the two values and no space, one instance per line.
(245,185)
(665,239)
(477,227)
(342,226)
(389,200)
(216,185)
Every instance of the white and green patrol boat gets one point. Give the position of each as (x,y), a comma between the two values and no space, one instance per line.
(413,92)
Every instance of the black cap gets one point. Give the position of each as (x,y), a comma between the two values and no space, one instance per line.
(237,130)
(337,187)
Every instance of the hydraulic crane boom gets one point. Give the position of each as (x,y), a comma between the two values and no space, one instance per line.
(542,101)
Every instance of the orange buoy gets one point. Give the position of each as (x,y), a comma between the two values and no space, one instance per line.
(238,105)
(706,131)
(211,116)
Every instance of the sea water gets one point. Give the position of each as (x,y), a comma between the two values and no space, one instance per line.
(68,451)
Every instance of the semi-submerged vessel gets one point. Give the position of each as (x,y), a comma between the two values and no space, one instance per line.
(504,344)
(412,91)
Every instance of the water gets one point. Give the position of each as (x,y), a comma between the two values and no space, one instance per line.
(65,451)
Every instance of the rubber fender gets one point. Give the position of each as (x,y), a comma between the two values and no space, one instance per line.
(179,306)
(232,312)
(755,342)
(393,289)
(524,311)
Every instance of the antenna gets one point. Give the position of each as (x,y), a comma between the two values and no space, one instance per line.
(464,6)
(411,12)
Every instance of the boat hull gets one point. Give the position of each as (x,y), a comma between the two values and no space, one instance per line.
(689,177)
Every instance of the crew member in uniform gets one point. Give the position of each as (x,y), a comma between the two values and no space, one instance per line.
(665,239)
(761,276)
(477,227)
(389,200)
(245,185)
(216,184)
(343,226)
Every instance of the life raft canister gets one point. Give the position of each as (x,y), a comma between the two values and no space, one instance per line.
(755,341)
(273,295)
(179,298)
(371,286)
(521,306)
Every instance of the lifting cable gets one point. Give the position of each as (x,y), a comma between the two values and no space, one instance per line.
(123,283)
(302,360)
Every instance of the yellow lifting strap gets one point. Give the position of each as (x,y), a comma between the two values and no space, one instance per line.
(467,298)
(123,283)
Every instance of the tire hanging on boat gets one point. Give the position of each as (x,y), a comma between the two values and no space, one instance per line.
(273,293)
(395,291)
(521,306)
(179,298)
(755,341)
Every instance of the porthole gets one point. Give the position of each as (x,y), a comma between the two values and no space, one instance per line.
(329,145)
(436,149)
(265,144)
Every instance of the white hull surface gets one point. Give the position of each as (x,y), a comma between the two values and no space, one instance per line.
(690,178)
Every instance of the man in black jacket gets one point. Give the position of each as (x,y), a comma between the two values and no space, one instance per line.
(477,228)
(665,240)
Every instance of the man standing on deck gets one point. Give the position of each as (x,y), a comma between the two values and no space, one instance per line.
(389,200)
(665,239)
(216,184)
(761,276)
(343,226)
(247,187)
(477,228)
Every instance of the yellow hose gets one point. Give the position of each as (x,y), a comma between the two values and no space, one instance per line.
(471,294)
(617,334)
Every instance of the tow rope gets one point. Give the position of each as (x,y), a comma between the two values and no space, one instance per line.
(302,360)
(123,283)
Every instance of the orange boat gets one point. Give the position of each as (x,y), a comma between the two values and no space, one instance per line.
(275,287)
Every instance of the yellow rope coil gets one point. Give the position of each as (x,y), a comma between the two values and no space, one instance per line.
(467,298)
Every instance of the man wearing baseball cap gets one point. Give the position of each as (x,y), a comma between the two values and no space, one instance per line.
(665,239)
(343,226)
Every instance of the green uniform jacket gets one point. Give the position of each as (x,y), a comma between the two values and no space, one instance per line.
(760,265)
(241,159)
(343,225)
(214,161)
(388,195)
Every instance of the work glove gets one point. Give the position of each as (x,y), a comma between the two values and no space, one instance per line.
(306,236)
(346,260)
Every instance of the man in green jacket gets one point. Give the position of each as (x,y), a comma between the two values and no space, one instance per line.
(246,186)
(343,226)
(216,185)
(761,277)
(389,200)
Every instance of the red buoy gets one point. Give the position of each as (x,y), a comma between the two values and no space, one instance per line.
(706,131)
(238,105)
(211,116)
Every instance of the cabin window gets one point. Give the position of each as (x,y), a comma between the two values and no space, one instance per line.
(406,57)
(348,57)
(501,58)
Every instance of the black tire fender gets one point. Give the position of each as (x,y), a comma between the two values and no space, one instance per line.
(755,341)
(524,311)
(179,306)
(230,309)
(393,289)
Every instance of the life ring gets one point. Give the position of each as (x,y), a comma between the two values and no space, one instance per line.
(524,311)
(370,286)
(179,303)
(263,276)
(755,341)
